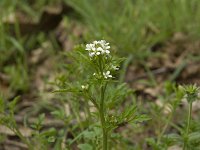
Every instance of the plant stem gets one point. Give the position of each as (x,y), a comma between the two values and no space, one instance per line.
(188,124)
(88,112)
(189,118)
(165,127)
(101,107)
(19,134)
(16,130)
(102,118)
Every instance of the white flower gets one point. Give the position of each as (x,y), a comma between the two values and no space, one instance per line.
(107,52)
(115,67)
(85,87)
(100,49)
(107,74)
(98,53)
(91,54)
(97,48)
(89,47)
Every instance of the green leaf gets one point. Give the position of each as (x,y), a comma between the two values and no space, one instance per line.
(41,117)
(89,134)
(173,137)
(129,112)
(60,114)
(2,105)
(194,137)
(117,94)
(48,133)
(51,139)
(38,124)
(85,146)
(66,91)
(13,103)
(141,118)
(16,44)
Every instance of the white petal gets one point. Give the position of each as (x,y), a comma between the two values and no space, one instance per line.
(100,49)
(91,54)
(107,51)
(92,45)
(95,42)
(102,52)
(107,47)
(88,47)
(102,41)
(98,53)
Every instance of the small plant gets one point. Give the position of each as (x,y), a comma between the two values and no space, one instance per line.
(7,119)
(186,136)
(191,94)
(100,89)
(39,138)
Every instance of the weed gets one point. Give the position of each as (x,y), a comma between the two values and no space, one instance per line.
(98,88)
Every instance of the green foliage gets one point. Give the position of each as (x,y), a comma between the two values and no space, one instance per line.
(135,26)
(43,138)
(185,136)
(104,93)
(85,147)
(18,74)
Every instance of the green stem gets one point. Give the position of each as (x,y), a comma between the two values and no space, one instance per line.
(188,124)
(19,134)
(189,118)
(16,130)
(88,111)
(102,118)
(101,107)
(93,101)
(150,74)
(165,127)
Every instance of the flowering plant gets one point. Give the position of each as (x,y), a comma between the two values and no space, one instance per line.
(101,90)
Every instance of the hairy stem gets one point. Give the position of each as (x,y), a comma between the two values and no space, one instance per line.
(188,124)
(102,117)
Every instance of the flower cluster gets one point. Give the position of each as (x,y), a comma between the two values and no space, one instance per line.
(98,48)
(106,75)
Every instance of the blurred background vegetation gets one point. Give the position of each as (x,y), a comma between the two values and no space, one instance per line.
(160,40)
